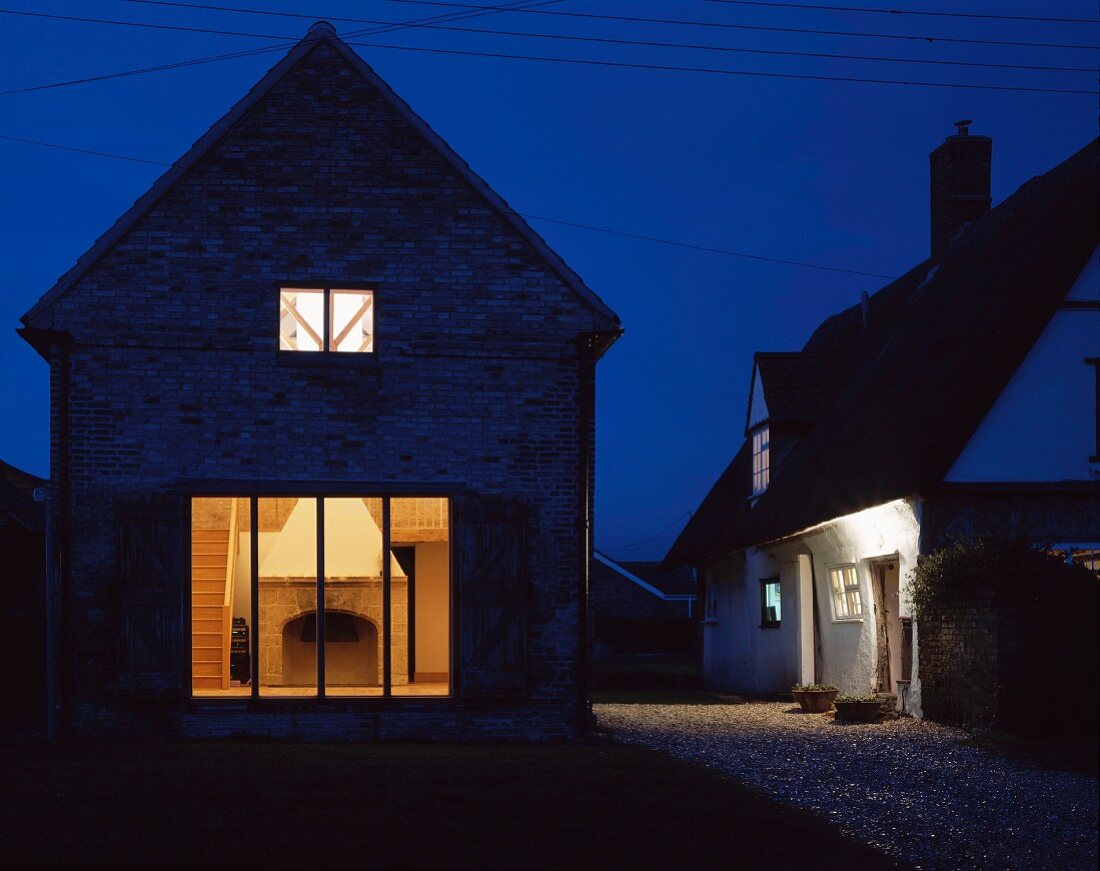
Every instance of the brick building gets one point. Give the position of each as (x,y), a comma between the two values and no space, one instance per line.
(322,438)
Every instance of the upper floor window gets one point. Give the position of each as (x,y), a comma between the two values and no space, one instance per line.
(326,319)
(761,461)
(844,584)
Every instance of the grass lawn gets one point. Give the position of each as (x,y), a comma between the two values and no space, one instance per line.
(395,805)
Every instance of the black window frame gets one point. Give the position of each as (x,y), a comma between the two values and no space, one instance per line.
(765,621)
(326,356)
(386,493)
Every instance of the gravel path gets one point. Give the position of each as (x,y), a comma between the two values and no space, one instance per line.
(910,788)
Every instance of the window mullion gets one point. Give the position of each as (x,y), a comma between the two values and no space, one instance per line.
(327,323)
(254,586)
(320,597)
(386,598)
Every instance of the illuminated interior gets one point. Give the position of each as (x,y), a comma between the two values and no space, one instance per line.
(847,602)
(300,627)
(761,461)
(771,612)
(348,329)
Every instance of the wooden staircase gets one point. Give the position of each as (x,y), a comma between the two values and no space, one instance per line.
(211,607)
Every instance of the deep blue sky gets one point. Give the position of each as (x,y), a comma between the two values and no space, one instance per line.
(826,172)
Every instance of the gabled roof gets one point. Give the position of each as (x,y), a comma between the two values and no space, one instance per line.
(939,345)
(320,32)
(800,386)
(17,497)
(649,576)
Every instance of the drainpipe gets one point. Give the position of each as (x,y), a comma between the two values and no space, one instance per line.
(590,347)
(58,654)
(586,400)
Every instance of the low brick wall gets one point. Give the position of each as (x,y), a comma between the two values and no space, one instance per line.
(958,662)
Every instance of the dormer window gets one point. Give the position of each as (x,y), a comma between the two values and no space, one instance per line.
(329,319)
(761,461)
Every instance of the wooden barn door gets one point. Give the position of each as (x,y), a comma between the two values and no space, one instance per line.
(493,592)
(150,602)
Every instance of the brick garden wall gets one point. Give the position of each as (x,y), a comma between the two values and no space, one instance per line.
(175,376)
(958,662)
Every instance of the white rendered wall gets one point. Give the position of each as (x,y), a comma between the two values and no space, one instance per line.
(1043,425)
(758,409)
(738,655)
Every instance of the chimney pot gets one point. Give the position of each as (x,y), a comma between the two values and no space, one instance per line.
(960,182)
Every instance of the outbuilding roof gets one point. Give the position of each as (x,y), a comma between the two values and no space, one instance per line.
(931,354)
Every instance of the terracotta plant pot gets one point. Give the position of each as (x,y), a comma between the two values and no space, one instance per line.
(859,712)
(814,701)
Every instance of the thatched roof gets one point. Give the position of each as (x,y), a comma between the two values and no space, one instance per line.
(939,345)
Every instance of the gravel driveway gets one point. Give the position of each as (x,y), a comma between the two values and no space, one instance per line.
(911,788)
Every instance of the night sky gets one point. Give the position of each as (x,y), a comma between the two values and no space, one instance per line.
(826,172)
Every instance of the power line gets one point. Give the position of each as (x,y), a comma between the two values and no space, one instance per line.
(451,16)
(694,247)
(673,21)
(938,14)
(722,72)
(606,230)
(84,150)
(568,38)
(609,63)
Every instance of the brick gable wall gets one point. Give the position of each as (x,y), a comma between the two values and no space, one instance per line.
(478,381)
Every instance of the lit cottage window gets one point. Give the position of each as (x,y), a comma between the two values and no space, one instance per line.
(847,604)
(770,608)
(326,319)
(761,461)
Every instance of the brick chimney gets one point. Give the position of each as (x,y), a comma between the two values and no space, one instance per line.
(960,185)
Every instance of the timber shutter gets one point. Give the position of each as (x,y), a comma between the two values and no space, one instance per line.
(493,597)
(150,604)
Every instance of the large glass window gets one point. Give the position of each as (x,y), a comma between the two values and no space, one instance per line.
(326,319)
(847,603)
(336,611)
(287,587)
(220,596)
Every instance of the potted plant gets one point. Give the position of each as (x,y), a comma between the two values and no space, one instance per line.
(859,709)
(814,698)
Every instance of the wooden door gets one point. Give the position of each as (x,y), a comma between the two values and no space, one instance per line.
(150,603)
(883,682)
(493,592)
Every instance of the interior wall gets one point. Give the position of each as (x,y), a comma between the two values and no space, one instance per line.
(433,641)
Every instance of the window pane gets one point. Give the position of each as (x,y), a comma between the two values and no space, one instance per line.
(288,596)
(353,596)
(772,608)
(351,317)
(301,319)
(421,597)
(221,598)
(1087,557)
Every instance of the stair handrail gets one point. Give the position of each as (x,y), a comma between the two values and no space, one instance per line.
(232,548)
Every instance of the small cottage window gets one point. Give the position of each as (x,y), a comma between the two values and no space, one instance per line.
(847,603)
(761,461)
(770,605)
(326,319)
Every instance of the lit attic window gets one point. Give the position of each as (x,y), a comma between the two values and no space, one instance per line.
(326,319)
(761,461)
